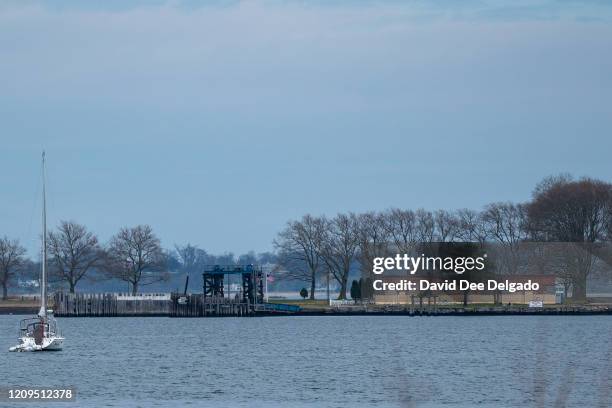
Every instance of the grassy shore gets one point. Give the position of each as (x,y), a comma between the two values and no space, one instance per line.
(321,306)
(19,305)
(303,303)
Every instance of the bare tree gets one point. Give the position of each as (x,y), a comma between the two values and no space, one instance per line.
(551,181)
(250,258)
(425,226)
(135,256)
(74,252)
(190,257)
(506,223)
(338,248)
(446,225)
(575,212)
(471,226)
(11,259)
(191,260)
(298,249)
(400,226)
(373,239)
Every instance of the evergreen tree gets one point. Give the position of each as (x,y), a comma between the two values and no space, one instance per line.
(355,291)
(304,293)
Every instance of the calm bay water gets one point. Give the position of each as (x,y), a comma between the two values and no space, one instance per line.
(358,361)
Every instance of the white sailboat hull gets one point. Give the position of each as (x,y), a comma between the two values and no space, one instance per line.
(53,343)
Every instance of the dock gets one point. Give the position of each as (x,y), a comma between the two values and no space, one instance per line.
(162,304)
(110,304)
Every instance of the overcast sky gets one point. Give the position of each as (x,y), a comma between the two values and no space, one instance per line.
(217,124)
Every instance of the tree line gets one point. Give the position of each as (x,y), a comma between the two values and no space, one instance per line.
(561,211)
(133,255)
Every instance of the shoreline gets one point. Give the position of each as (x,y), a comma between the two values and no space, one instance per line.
(18,310)
(360,311)
(462,312)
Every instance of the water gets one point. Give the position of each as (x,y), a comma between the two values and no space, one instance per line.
(360,361)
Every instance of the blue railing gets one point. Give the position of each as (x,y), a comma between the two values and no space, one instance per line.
(279,307)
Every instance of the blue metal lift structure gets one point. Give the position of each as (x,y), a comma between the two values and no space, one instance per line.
(252,278)
(215,301)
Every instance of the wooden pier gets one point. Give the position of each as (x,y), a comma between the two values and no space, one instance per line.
(110,304)
(162,304)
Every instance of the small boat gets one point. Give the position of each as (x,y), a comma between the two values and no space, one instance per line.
(40,333)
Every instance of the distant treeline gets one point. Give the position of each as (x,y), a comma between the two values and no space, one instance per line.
(561,211)
(133,256)
(316,247)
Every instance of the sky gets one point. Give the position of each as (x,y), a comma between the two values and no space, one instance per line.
(218,122)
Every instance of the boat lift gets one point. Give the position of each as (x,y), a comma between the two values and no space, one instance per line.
(251,277)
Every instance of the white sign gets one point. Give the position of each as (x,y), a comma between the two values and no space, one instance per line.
(345,302)
(536,303)
(144,296)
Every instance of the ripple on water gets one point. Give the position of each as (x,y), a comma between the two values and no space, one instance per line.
(354,361)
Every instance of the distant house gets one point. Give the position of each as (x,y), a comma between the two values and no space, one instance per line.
(28,283)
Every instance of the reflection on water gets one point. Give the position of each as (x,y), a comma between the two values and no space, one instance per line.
(395,361)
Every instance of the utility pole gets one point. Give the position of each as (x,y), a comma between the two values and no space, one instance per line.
(328,294)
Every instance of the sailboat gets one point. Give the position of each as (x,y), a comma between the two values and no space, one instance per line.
(40,333)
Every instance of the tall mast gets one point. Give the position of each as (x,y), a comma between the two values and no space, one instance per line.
(43,278)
